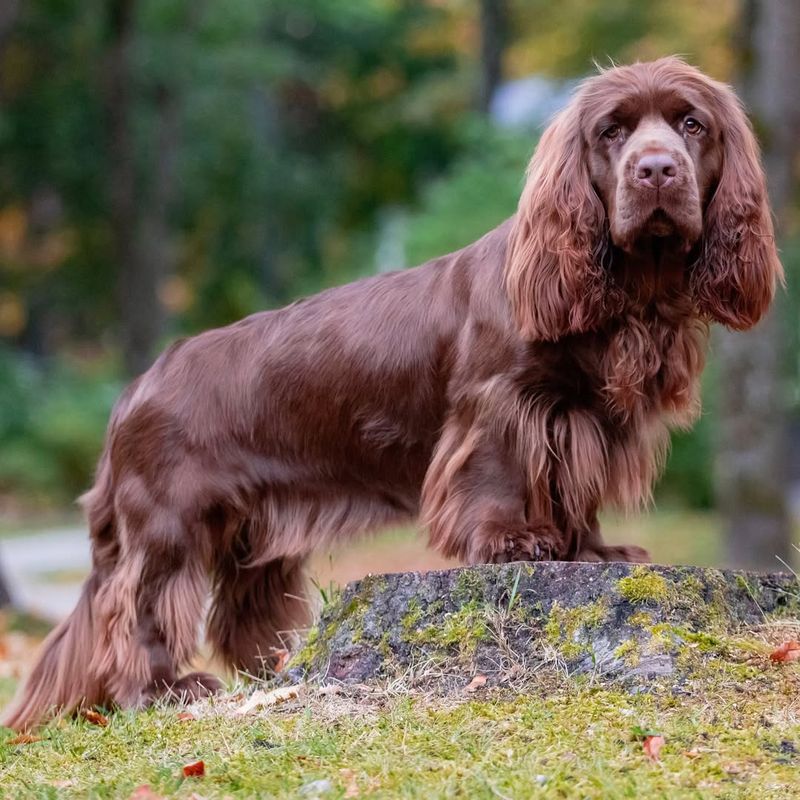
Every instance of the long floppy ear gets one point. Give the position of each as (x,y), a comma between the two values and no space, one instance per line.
(555,277)
(735,276)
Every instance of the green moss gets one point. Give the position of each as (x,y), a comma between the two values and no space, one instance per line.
(641,619)
(309,650)
(469,586)
(464,629)
(412,618)
(565,627)
(643,586)
(628,652)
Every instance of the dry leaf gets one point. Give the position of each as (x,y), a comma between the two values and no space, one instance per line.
(351,784)
(197,769)
(281,660)
(144,792)
(329,689)
(652,746)
(261,698)
(186,716)
(24,738)
(94,717)
(478,682)
(788,651)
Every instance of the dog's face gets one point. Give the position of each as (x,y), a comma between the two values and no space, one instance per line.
(654,158)
(644,153)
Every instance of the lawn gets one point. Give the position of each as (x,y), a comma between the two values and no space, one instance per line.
(734,735)
(566,739)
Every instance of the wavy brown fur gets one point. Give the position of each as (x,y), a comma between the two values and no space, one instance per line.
(505,392)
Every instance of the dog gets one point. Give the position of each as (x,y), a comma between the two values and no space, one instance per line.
(503,394)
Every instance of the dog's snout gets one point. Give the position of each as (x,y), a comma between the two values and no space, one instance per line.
(656,170)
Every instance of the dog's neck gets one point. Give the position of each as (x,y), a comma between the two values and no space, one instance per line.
(654,274)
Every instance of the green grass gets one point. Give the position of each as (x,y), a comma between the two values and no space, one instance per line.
(573,740)
(736,736)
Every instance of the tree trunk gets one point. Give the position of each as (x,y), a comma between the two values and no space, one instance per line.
(141,315)
(494,37)
(751,454)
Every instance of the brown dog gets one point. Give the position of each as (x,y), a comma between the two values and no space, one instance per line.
(505,391)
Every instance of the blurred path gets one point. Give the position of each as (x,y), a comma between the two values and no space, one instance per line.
(45,570)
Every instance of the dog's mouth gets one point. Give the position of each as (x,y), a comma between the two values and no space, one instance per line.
(666,231)
(660,224)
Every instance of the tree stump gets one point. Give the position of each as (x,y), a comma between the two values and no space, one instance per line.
(623,624)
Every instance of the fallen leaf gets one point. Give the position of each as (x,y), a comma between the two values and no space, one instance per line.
(186,716)
(197,769)
(281,659)
(788,651)
(24,738)
(652,746)
(478,682)
(144,792)
(63,784)
(261,698)
(329,689)
(693,753)
(351,784)
(94,717)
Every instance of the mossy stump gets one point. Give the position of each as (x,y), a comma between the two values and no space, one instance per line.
(625,624)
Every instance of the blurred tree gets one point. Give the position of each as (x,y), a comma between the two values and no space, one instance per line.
(494,39)
(751,452)
(141,313)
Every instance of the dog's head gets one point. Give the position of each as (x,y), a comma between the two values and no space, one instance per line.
(654,151)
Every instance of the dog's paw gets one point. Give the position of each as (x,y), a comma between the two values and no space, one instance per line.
(502,545)
(189,688)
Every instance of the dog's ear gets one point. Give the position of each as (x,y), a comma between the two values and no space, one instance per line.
(734,278)
(555,277)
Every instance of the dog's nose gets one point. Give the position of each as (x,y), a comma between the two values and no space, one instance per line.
(656,170)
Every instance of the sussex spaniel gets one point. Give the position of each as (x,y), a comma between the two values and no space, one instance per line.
(504,393)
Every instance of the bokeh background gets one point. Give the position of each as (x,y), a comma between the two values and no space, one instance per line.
(171,165)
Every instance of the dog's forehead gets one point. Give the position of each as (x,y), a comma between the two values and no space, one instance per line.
(630,93)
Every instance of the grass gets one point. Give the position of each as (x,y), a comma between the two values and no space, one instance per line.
(737,735)
(568,740)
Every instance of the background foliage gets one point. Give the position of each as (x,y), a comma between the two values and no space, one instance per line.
(266,144)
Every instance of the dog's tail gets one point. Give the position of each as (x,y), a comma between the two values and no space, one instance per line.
(63,678)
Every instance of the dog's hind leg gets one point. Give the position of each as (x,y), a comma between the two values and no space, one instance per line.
(149,614)
(256,611)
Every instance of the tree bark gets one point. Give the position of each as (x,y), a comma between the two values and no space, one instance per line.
(494,37)
(751,457)
(138,263)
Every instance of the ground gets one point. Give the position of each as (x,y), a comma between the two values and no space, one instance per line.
(568,739)
(735,733)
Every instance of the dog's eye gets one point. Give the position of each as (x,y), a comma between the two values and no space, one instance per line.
(692,126)
(611,132)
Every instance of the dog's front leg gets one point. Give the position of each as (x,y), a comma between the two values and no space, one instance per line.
(475,503)
(592,547)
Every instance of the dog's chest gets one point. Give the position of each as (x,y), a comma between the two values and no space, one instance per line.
(637,371)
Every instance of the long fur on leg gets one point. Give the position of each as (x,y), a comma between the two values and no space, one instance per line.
(256,610)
